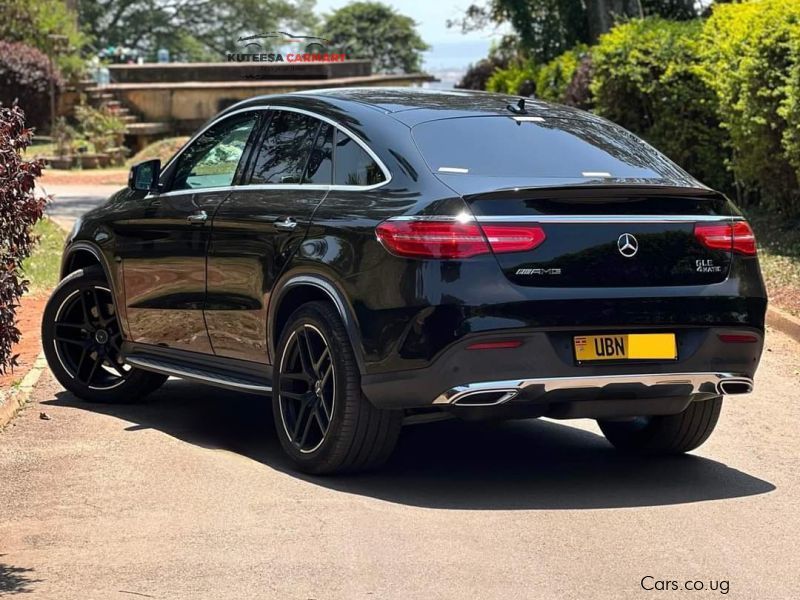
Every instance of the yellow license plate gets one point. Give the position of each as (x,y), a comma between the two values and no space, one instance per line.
(630,346)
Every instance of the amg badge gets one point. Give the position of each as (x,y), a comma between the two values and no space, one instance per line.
(554,271)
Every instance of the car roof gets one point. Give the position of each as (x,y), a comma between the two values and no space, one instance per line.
(412,105)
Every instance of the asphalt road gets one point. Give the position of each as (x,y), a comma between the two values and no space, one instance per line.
(71,201)
(188,496)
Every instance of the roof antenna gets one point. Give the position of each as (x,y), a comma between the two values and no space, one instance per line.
(519,109)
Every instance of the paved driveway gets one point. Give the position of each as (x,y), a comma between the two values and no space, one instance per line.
(189,497)
(71,201)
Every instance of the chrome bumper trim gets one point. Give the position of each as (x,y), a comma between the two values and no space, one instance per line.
(700,382)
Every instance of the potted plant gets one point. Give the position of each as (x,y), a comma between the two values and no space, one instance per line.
(62,135)
(102,128)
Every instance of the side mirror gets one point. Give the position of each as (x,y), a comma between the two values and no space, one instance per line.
(144,176)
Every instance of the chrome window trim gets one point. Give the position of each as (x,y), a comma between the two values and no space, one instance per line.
(571,218)
(280,186)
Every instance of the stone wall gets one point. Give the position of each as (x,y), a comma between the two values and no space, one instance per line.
(236,71)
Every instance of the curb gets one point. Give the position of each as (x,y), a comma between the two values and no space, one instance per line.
(20,395)
(784,322)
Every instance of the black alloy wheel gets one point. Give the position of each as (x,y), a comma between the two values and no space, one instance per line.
(82,341)
(88,339)
(324,422)
(308,388)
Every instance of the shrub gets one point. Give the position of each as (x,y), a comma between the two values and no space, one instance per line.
(19,210)
(647,77)
(31,21)
(100,126)
(553,78)
(478,75)
(547,82)
(25,76)
(752,60)
(516,78)
(578,92)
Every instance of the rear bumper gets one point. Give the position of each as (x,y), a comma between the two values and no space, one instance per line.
(541,377)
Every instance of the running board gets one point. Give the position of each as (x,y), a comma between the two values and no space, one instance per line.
(230,374)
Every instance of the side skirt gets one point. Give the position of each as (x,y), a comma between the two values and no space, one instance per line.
(228,373)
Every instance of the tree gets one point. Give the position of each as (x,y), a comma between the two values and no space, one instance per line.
(376,32)
(198,30)
(32,21)
(548,28)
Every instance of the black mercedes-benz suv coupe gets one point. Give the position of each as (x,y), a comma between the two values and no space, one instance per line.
(369,257)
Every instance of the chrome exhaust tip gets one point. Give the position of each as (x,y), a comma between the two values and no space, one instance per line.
(735,386)
(484,398)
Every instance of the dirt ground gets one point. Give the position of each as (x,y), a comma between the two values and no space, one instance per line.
(84,177)
(29,315)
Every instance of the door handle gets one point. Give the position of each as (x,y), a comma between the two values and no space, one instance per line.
(197,218)
(285,223)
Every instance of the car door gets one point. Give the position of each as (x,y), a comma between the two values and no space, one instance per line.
(165,267)
(260,225)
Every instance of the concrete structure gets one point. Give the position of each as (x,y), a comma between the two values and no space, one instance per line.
(175,98)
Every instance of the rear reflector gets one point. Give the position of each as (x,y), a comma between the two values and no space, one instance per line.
(453,239)
(495,345)
(738,338)
(737,237)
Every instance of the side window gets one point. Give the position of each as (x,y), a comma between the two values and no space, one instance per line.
(320,164)
(212,159)
(286,147)
(352,165)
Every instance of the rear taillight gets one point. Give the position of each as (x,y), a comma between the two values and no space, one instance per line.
(454,239)
(744,240)
(736,236)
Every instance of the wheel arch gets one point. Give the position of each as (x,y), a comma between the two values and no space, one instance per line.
(300,288)
(83,254)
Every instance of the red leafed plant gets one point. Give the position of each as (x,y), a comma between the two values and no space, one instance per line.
(19,210)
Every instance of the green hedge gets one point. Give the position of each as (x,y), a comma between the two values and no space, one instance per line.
(751,58)
(720,96)
(647,77)
(548,81)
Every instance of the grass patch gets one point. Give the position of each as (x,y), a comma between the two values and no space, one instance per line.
(162,149)
(779,254)
(42,267)
(38,149)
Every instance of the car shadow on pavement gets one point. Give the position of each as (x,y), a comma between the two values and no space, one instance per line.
(15,580)
(530,464)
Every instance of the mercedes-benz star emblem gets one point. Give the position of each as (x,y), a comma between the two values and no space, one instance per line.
(628,245)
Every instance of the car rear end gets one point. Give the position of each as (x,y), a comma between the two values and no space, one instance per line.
(585,276)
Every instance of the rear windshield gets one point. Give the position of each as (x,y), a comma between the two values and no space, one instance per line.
(512,147)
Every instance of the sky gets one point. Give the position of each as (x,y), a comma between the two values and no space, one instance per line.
(451,50)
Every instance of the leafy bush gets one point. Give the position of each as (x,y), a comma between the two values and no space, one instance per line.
(19,210)
(25,76)
(553,78)
(517,78)
(32,21)
(578,92)
(100,126)
(478,75)
(648,78)
(548,81)
(752,60)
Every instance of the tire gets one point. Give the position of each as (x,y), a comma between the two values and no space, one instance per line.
(81,338)
(321,395)
(671,434)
